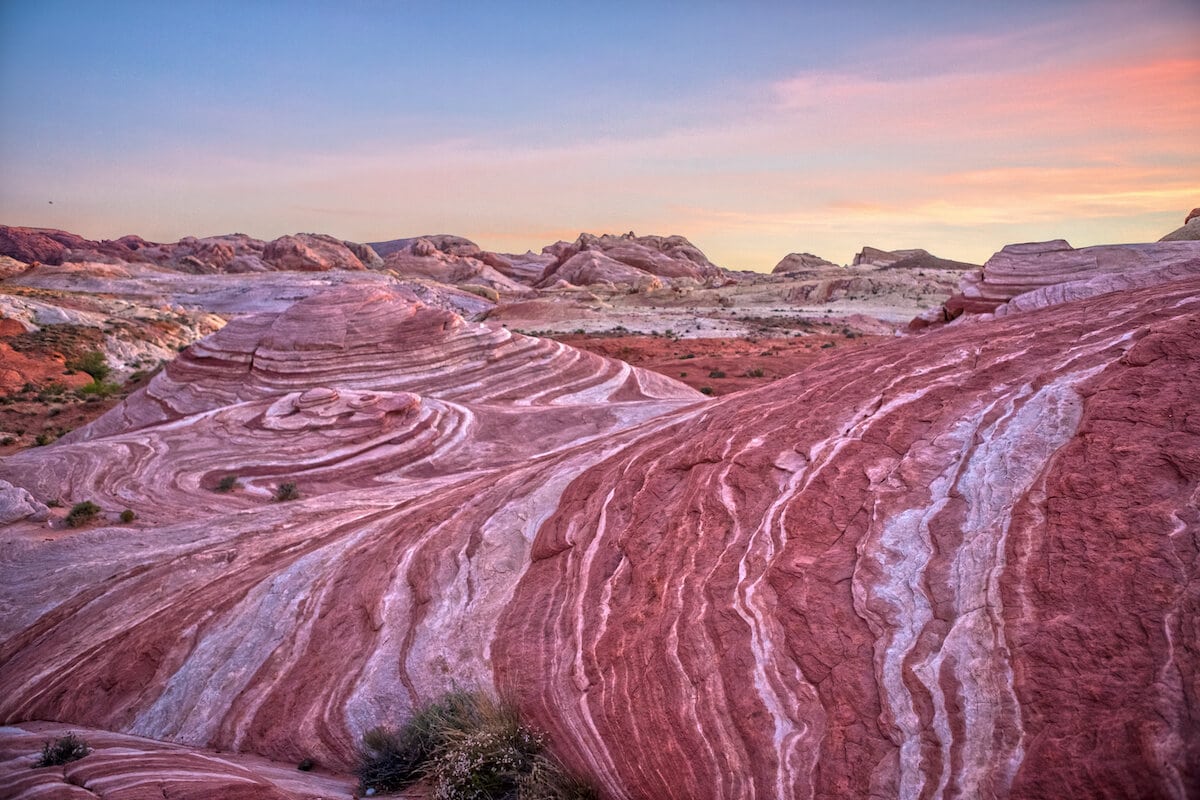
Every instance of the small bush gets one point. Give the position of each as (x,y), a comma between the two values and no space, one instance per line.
(827,345)
(93,363)
(754,373)
(82,513)
(44,438)
(97,389)
(716,373)
(706,390)
(285,492)
(227,484)
(306,765)
(394,758)
(468,746)
(127,516)
(62,750)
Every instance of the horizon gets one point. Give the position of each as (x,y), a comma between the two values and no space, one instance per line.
(753,131)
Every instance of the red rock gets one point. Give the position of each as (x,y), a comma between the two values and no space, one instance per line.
(801,262)
(311,252)
(629,259)
(954,564)
(131,768)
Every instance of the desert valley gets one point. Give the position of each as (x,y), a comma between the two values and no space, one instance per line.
(905,527)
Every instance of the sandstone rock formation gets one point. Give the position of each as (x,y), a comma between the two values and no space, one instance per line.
(452,260)
(235,252)
(918,259)
(801,262)
(132,768)
(1190,230)
(314,252)
(1060,272)
(629,259)
(960,564)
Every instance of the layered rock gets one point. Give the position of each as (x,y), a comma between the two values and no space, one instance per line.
(452,260)
(629,260)
(132,768)
(1190,231)
(1058,272)
(801,262)
(315,252)
(960,564)
(917,259)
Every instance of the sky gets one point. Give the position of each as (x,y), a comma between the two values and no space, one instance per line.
(755,129)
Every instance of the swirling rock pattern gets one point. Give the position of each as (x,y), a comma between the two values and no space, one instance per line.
(131,768)
(955,565)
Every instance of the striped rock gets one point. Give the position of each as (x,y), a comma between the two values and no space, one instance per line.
(955,565)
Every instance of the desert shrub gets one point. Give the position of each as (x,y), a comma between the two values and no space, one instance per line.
(62,750)
(82,513)
(754,373)
(706,390)
(392,758)
(127,516)
(306,765)
(468,746)
(97,389)
(51,392)
(91,362)
(227,484)
(827,345)
(716,373)
(44,438)
(285,492)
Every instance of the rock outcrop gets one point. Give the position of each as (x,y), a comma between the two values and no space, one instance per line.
(629,260)
(957,564)
(453,260)
(918,259)
(1057,272)
(313,252)
(132,768)
(801,262)
(1190,231)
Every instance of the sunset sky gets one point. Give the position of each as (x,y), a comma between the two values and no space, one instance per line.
(753,128)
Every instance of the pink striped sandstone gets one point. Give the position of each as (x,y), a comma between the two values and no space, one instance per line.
(959,564)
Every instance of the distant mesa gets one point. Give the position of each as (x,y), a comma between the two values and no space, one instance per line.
(906,259)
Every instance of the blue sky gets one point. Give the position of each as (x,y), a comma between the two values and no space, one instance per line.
(755,129)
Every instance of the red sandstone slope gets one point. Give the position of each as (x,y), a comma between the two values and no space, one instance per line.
(954,565)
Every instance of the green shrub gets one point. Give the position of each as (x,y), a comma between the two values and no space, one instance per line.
(91,362)
(227,484)
(97,389)
(44,438)
(394,758)
(706,390)
(468,746)
(754,373)
(127,516)
(716,373)
(62,750)
(285,492)
(82,513)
